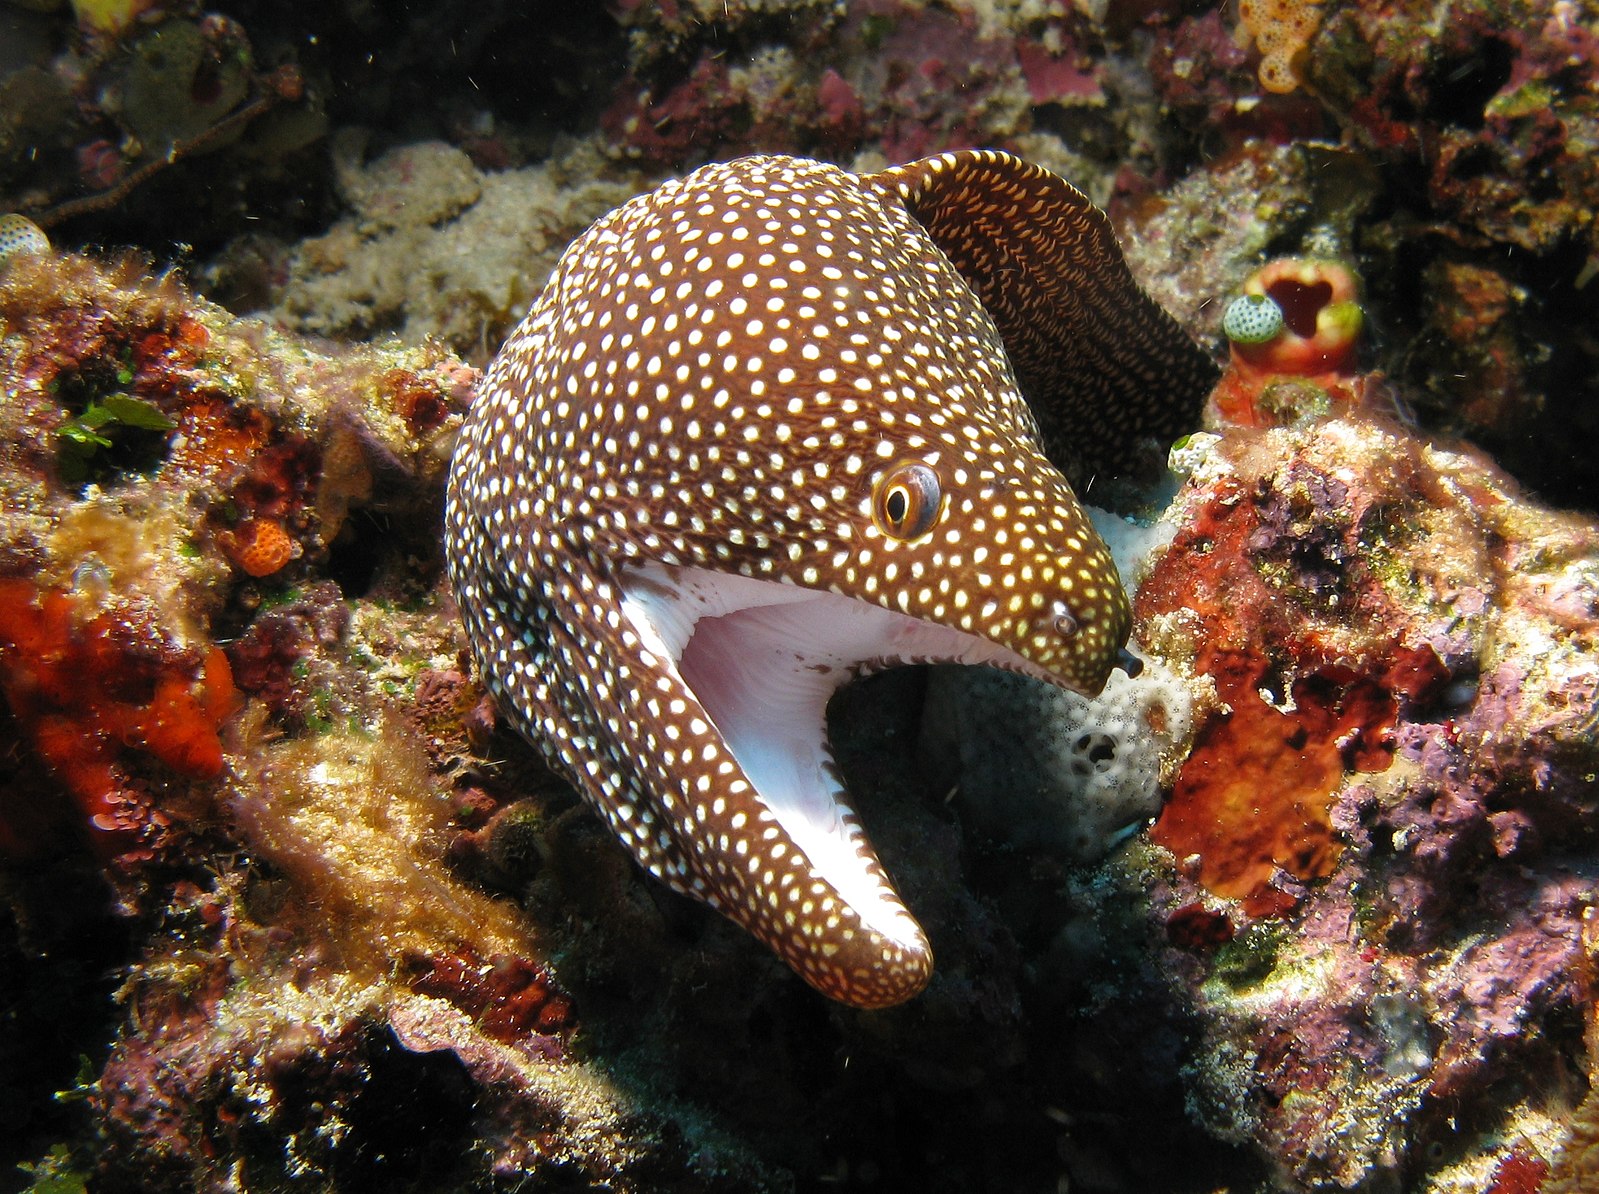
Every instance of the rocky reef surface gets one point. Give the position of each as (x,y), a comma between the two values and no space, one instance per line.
(1309,906)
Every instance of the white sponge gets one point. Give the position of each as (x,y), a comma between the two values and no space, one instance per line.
(1039,767)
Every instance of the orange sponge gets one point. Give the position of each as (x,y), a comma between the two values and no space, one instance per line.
(1281,29)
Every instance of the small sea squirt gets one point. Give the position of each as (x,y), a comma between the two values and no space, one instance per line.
(1293,341)
(765,429)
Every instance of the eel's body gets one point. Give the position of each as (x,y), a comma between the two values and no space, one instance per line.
(765,428)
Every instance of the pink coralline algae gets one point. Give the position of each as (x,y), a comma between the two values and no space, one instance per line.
(509,997)
(878,75)
(280,660)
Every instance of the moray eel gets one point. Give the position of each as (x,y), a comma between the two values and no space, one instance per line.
(764,430)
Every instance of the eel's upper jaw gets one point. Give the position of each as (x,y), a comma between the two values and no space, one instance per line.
(763,658)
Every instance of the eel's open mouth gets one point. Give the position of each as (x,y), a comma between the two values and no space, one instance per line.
(763,658)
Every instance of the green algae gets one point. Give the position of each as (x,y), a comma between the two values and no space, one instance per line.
(1249,958)
(55,1173)
(106,438)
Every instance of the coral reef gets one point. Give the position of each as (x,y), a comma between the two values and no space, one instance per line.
(1470,130)
(1468,136)
(1356,921)
(1496,147)
(425,221)
(1392,799)
(284,904)
(410,986)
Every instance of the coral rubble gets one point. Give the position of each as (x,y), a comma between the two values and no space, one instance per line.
(425,221)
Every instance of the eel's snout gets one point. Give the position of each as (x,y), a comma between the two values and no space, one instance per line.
(861,966)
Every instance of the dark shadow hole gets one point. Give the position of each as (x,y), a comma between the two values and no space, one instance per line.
(358,550)
(1461,84)
(1300,303)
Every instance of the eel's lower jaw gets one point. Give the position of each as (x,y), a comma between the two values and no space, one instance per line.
(763,658)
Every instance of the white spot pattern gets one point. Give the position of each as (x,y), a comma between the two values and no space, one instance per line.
(721,373)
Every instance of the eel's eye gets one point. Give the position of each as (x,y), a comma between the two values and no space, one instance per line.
(907,500)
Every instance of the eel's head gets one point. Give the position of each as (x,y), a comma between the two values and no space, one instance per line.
(763,431)
(838,414)
(992,543)
(968,545)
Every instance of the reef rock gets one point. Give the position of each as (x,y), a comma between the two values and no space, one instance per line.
(1394,809)
(234,775)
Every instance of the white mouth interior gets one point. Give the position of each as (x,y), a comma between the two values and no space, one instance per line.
(763,658)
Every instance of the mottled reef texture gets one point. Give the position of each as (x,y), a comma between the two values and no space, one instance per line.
(285,906)
(1446,151)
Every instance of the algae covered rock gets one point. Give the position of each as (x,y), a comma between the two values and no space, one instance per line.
(236,750)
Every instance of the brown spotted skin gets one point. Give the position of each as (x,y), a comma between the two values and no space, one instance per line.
(1100,363)
(719,374)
